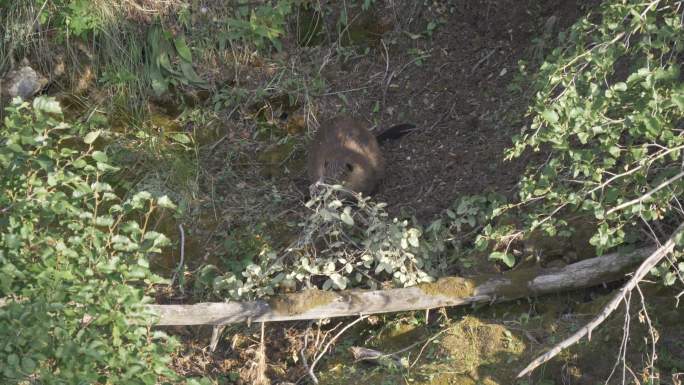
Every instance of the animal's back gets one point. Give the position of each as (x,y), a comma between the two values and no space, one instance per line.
(344,151)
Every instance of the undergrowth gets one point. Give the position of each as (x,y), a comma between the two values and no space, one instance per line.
(75,272)
(607,107)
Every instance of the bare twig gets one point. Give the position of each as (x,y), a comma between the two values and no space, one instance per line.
(647,195)
(261,363)
(215,336)
(622,353)
(375,356)
(639,274)
(327,346)
(38,14)
(303,351)
(182,256)
(653,333)
(427,342)
(487,56)
(344,91)
(386,79)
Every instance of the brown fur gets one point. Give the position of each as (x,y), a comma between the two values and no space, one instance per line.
(344,151)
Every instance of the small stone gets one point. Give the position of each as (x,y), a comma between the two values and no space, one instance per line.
(24,82)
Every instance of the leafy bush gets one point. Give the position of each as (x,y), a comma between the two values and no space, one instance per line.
(258,25)
(608,107)
(383,248)
(73,257)
(341,245)
(159,67)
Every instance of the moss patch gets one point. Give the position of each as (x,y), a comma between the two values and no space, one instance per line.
(472,344)
(301,302)
(455,287)
(279,159)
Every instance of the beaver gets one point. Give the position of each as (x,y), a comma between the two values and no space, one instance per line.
(344,151)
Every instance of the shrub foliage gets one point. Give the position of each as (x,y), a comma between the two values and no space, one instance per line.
(73,259)
(608,108)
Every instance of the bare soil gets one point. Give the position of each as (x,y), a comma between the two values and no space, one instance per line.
(457,95)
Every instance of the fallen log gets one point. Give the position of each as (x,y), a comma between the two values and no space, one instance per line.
(449,291)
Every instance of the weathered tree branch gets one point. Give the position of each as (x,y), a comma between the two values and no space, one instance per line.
(450,291)
(652,260)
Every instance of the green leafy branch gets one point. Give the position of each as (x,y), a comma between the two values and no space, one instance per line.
(608,108)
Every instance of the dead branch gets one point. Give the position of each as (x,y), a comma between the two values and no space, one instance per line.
(647,195)
(639,274)
(450,291)
(312,375)
(377,357)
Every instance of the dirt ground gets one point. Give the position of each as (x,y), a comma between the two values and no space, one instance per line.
(457,96)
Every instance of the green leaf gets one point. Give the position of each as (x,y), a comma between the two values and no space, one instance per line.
(159,84)
(346,216)
(47,104)
(614,151)
(181,138)
(679,238)
(99,156)
(140,199)
(550,116)
(28,365)
(101,187)
(190,75)
(165,64)
(678,100)
(583,137)
(621,86)
(15,147)
(652,126)
(339,281)
(91,137)
(461,209)
(79,163)
(413,237)
(105,220)
(507,259)
(182,48)
(166,202)
(105,167)
(670,278)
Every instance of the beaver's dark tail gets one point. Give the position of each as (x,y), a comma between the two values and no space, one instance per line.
(395,132)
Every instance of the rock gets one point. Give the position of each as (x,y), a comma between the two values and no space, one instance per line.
(24,82)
